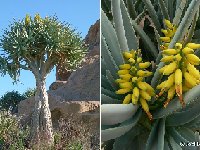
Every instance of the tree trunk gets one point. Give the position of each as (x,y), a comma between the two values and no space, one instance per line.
(41,131)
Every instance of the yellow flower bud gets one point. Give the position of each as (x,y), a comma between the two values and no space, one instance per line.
(125,66)
(170,68)
(193,59)
(165,39)
(123,91)
(126,76)
(170,51)
(120,81)
(178,57)
(142,73)
(193,71)
(134,79)
(178,77)
(167,58)
(135,95)
(131,60)
(139,59)
(190,79)
(168,23)
(27,20)
(145,107)
(123,72)
(193,45)
(164,31)
(178,46)
(127,99)
(128,55)
(145,95)
(126,85)
(171,93)
(144,65)
(188,50)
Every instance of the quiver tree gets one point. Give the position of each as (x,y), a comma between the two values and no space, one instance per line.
(37,45)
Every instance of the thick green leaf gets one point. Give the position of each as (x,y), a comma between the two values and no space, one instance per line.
(196,34)
(147,41)
(117,113)
(118,23)
(153,14)
(129,31)
(156,137)
(171,9)
(103,67)
(110,94)
(192,96)
(166,145)
(157,76)
(109,100)
(192,28)
(105,84)
(127,141)
(108,59)
(181,118)
(186,22)
(163,9)
(113,133)
(108,145)
(194,123)
(187,133)
(111,39)
(131,9)
(183,137)
(176,136)
(152,139)
(161,134)
(173,144)
(180,7)
(197,136)
(111,80)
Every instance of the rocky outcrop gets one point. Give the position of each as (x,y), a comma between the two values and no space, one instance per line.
(93,39)
(82,85)
(61,109)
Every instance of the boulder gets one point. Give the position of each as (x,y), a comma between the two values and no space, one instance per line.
(82,85)
(86,110)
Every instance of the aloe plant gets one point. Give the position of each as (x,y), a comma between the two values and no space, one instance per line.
(125,125)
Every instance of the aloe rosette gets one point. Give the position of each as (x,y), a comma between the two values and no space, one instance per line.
(173,75)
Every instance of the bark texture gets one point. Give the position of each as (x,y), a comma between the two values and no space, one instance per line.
(41,130)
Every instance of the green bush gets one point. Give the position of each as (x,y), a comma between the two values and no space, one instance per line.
(13,136)
(29,92)
(10,100)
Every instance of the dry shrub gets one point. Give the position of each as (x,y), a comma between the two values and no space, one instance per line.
(12,135)
(73,134)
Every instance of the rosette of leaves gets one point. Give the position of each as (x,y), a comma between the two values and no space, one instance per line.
(125,126)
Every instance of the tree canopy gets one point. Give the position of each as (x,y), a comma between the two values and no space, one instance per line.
(40,44)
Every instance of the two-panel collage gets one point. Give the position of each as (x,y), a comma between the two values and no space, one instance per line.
(100,75)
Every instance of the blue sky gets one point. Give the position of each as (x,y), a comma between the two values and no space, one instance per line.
(81,14)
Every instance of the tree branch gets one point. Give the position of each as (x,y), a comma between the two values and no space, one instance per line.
(24,67)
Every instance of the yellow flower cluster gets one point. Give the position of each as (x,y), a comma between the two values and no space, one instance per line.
(27,20)
(37,18)
(180,69)
(169,33)
(131,81)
